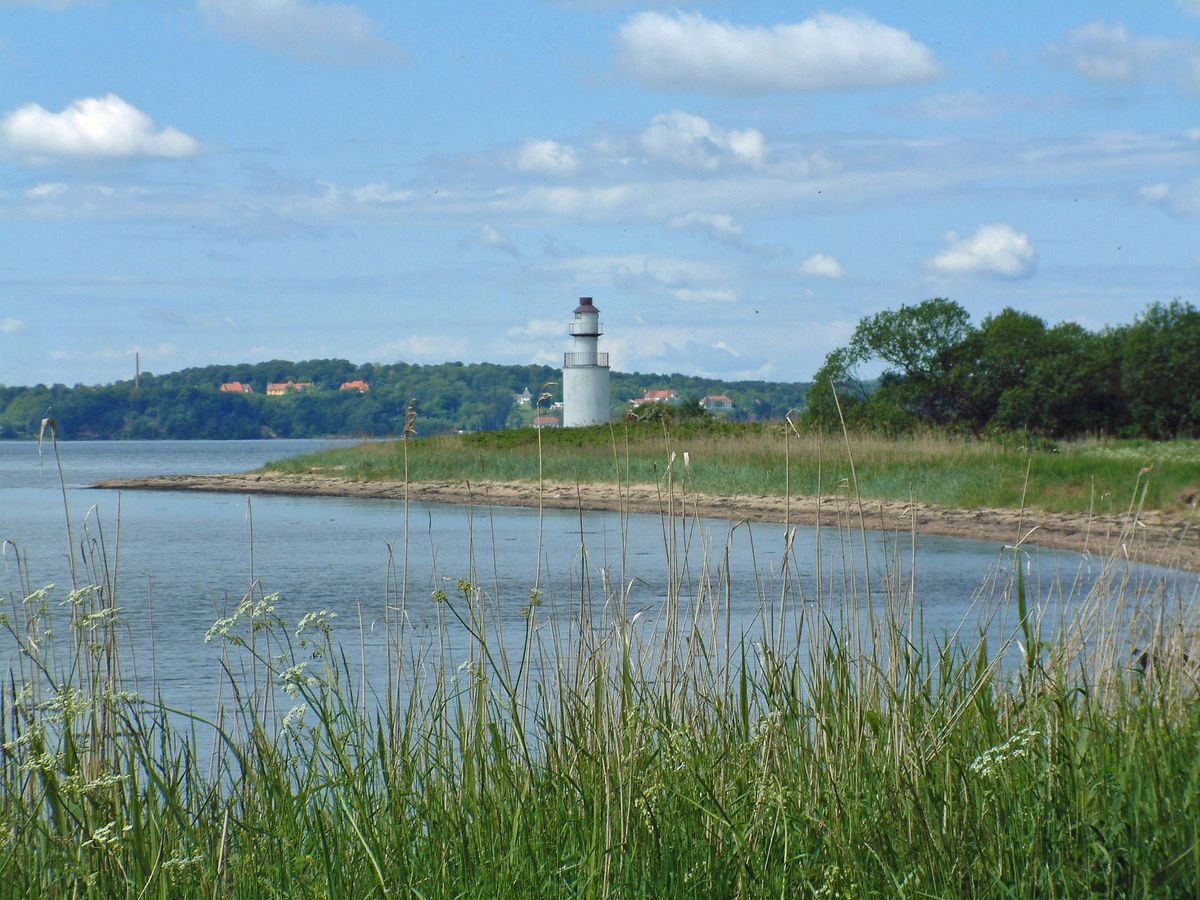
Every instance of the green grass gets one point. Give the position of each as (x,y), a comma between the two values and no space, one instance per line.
(834,750)
(729,459)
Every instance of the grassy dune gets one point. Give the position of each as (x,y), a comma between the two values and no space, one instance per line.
(1078,477)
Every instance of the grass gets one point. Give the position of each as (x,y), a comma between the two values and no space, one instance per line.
(834,749)
(727,459)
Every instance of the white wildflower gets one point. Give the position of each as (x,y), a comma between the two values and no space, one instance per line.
(291,680)
(989,761)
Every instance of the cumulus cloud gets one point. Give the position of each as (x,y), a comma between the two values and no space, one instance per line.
(822,266)
(489,238)
(1108,52)
(997,250)
(546,158)
(9,325)
(314,32)
(693,142)
(92,128)
(686,51)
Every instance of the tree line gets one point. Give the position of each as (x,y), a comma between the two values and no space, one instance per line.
(449,397)
(1014,372)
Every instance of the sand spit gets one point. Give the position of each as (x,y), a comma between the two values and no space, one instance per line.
(1172,540)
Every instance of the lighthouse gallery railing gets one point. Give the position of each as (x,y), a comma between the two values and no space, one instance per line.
(585,359)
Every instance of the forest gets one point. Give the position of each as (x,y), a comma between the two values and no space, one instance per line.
(448,397)
(1013,372)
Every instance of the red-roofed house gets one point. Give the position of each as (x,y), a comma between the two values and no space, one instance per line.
(665,396)
(547,422)
(236,387)
(361,386)
(278,388)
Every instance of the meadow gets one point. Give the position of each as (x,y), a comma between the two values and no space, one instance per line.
(833,749)
(1087,476)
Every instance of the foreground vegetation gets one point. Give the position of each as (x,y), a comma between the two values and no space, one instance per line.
(833,748)
(769,458)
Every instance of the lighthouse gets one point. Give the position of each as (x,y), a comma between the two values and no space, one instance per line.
(585,371)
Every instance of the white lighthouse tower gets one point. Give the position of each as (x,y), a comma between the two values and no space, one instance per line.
(585,371)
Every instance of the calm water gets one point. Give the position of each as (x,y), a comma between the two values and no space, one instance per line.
(185,558)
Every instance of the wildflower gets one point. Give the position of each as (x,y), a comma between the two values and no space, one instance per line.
(293,722)
(291,680)
(989,761)
(318,620)
(107,836)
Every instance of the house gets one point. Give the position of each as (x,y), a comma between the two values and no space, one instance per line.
(669,395)
(279,388)
(361,386)
(524,398)
(717,403)
(236,387)
(547,422)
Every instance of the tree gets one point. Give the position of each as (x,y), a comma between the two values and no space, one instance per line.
(1160,370)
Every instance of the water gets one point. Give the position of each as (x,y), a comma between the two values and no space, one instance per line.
(182,560)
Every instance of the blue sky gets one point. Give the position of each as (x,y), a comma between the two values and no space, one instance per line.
(735,183)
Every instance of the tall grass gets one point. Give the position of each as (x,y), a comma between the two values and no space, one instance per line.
(1074,477)
(832,748)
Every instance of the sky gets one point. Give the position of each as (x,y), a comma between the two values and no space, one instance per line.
(736,184)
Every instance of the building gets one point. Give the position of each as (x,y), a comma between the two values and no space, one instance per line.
(524,398)
(547,422)
(669,395)
(717,403)
(236,387)
(585,370)
(279,388)
(361,386)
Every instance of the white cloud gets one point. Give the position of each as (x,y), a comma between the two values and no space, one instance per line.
(1182,199)
(539,329)
(92,128)
(992,250)
(379,192)
(546,158)
(719,226)
(46,189)
(686,51)
(682,139)
(1155,193)
(315,32)
(683,279)
(489,238)
(822,266)
(1108,52)
(9,325)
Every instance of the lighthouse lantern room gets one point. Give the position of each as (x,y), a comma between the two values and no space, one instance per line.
(585,370)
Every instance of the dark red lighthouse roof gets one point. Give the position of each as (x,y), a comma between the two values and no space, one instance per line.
(586,306)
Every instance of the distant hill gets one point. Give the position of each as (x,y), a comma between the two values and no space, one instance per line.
(190,404)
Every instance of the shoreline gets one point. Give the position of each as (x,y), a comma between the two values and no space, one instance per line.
(1153,537)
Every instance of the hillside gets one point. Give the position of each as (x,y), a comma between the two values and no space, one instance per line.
(449,397)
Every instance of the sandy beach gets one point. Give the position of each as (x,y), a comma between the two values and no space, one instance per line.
(1172,540)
